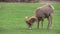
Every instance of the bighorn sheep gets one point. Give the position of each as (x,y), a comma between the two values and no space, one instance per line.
(41,13)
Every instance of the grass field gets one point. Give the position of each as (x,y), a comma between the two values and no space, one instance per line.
(12,19)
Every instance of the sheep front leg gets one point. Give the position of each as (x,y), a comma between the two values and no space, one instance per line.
(37,22)
(42,24)
(50,22)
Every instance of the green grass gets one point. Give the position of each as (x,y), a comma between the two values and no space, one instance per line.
(12,19)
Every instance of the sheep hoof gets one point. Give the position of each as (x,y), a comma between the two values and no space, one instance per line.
(30,28)
(49,28)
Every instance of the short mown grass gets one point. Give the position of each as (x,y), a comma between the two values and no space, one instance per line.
(12,19)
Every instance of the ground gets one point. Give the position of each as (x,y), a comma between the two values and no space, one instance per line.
(12,19)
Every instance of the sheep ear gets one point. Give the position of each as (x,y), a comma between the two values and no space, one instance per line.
(26,18)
